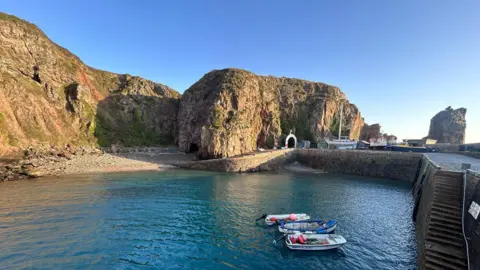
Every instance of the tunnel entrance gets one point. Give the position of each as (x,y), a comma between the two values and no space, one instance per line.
(291,143)
(193,148)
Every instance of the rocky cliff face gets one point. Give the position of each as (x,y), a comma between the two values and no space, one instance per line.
(448,126)
(47,95)
(231,111)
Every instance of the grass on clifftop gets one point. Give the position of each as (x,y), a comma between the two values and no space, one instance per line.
(5,16)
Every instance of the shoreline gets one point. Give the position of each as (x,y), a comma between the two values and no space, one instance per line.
(64,163)
(107,163)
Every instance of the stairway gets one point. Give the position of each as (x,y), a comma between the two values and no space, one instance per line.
(445,245)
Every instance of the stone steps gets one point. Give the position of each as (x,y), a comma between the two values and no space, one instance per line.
(445,245)
(449,174)
(437,261)
(453,228)
(448,189)
(448,180)
(446,185)
(447,194)
(444,220)
(438,229)
(446,212)
(446,206)
(445,239)
(448,199)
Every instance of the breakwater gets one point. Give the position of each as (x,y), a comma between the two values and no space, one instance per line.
(255,162)
(392,165)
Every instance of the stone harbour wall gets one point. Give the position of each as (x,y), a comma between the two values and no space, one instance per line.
(422,192)
(393,165)
(262,161)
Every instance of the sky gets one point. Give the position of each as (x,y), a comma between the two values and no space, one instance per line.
(400,62)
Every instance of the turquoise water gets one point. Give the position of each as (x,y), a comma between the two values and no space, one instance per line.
(187,219)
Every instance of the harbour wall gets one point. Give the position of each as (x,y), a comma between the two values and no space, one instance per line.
(392,165)
(255,162)
(472,224)
(422,191)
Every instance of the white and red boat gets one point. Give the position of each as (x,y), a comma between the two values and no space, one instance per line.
(314,241)
(278,219)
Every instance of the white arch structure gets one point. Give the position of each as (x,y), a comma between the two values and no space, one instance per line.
(288,138)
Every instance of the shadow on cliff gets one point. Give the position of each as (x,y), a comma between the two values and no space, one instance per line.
(138,127)
(135,120)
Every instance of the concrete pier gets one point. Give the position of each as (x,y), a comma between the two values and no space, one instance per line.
(453,162)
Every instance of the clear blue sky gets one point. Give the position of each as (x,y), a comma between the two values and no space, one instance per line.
(399,61)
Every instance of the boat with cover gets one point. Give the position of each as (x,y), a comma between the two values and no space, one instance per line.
(313,242)
(277,219)
(308,226)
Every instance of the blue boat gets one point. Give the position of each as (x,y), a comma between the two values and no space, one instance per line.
(308,226)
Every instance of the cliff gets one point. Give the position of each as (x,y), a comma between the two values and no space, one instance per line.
(49,96)
(232,111)
(448,126)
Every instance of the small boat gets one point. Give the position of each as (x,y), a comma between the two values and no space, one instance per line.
(314,241)
(308,226)
(277,219)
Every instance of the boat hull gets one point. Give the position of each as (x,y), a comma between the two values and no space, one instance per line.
(284,218)
(310,226)
(316,242)
(294,231)
(312,248)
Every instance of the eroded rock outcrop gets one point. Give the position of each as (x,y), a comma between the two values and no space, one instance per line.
(47,95)
(448,126)
(232,111)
